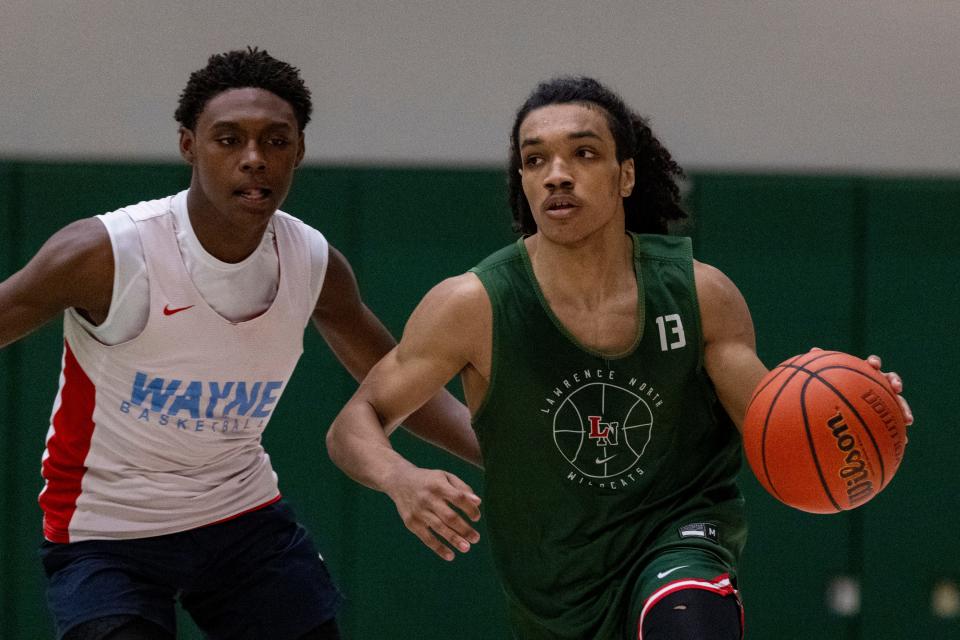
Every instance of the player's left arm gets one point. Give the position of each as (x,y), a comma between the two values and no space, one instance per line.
(729,343)
(359,340)
(730,348)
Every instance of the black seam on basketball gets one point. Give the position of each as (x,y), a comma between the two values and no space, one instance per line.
(873,441)
(763,436)
(780,368)
(893,400)
(812,447)
(784,366)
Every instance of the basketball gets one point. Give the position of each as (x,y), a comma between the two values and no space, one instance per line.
(824,432)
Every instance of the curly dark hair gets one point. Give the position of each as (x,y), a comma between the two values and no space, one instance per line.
(239,69)
(655,200)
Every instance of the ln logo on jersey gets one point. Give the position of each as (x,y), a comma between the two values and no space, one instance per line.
(602,424)
(604,432)
(602,429)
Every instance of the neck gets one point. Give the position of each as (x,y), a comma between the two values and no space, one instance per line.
(584,275)
(227,236)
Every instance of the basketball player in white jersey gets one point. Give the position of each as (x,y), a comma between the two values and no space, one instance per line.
(183,321)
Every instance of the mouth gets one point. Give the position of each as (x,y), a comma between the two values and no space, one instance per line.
(253,194)
(560,206)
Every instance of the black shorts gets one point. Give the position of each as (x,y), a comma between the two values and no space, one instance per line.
(256,576)
(676,570)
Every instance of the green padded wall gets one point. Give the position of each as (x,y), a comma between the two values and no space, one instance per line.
(396,229)
(849,263)
(913,306)
(785,242)
(8,358)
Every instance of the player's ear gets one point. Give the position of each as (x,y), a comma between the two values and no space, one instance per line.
(302,150)
(627,177)
(187,143)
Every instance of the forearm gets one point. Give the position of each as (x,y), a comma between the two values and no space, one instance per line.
(358,445)
(445,422)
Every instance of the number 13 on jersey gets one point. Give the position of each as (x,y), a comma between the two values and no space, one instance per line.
(671,332)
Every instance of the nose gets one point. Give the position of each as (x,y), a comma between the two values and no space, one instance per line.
(253,158)
(558,176)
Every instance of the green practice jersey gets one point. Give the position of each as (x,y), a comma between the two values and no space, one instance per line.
(595,463)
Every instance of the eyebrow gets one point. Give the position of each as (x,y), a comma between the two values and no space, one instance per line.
(586,133)
(232,124)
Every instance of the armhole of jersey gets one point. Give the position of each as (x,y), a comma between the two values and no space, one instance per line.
(125,273)
(319,259)
(494,350)
(694,294)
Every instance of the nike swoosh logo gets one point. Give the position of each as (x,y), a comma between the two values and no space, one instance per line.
(602,460)
(167,311)
(663,574)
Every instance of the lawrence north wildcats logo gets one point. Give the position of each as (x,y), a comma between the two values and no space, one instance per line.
(603,428)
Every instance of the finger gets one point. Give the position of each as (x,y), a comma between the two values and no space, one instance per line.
(433,543)
(874,361)
(896,382)
(455,521)
(812,349)
(444,516)
(447,534)
(907,412)
(463,498)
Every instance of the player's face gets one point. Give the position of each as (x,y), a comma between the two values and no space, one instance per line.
(570,174)
(244,149)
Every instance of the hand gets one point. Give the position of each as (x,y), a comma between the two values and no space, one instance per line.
(425,500)
(896,382)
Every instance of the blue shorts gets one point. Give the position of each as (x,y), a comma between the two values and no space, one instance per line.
(256,576)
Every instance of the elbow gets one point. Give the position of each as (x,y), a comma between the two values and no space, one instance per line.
(333,441)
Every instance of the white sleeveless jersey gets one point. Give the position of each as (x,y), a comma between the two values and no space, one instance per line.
(162,433)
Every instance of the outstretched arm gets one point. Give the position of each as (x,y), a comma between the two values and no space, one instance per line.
(359,340)
(437,344)
(74,268)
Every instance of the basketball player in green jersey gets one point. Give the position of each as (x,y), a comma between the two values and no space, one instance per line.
(607,373)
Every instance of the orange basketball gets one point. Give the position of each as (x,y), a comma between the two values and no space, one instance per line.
(824,432)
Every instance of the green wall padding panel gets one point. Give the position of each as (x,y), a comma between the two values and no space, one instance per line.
(786,243)
(913,306)
(863,265)
(9,427)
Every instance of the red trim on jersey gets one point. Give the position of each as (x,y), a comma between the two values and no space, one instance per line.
(720,585)
(67,449)
(243,513)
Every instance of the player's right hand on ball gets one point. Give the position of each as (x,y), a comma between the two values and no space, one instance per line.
(425,500)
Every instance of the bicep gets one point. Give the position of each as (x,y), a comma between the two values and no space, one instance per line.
(730,355)
(74,268)
(436,346)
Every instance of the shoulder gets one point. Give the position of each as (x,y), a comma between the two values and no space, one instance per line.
(460,295)
(83,240)
(723,310)
(453,318)
(458,306)
(75,266)
(284,218)
(145,210)
(713,285)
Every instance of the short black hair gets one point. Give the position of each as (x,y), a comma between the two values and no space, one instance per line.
(239,69)
(655,200)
